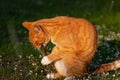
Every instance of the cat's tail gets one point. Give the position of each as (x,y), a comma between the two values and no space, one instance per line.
(106,67)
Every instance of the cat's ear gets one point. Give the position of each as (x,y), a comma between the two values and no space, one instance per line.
(37,28)
(27,25)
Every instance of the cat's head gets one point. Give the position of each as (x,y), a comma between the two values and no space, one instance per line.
(37,35)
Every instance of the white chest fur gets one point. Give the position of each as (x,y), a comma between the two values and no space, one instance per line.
(61,67)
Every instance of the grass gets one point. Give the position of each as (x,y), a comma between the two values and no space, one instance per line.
(20,61)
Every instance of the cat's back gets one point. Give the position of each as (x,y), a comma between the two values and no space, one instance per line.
(81,24)
(83,32)
(75,22)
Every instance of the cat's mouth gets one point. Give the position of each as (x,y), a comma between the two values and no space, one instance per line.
(39,45)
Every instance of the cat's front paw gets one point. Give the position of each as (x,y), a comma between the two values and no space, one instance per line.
(45,61)
(50,76)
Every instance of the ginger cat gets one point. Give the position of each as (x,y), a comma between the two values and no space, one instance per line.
(75,42)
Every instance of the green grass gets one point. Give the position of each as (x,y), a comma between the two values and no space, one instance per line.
(20,61)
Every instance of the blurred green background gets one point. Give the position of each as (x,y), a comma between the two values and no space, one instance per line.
(20,61)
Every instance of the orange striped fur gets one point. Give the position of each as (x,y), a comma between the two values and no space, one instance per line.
(106,67)
(75,42)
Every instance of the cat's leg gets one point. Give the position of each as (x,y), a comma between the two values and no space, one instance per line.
(60,67)
(57,75)
(69,78)
(53,75)
(61,70)
(53,56)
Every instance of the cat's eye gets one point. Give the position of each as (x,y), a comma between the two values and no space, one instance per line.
(37,28)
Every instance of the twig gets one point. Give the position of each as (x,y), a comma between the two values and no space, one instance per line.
(42,49)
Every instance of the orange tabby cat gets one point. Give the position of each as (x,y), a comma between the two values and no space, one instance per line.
(75,42)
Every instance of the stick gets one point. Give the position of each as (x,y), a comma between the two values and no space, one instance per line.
(42,49)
